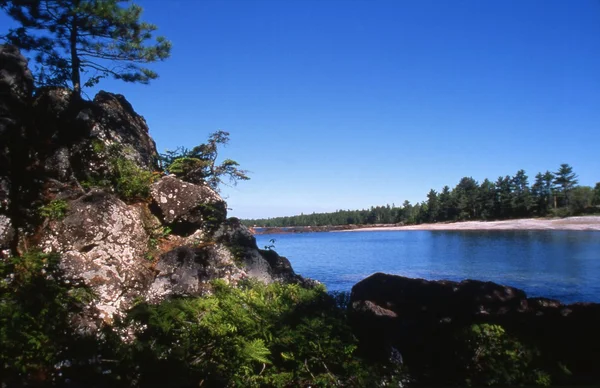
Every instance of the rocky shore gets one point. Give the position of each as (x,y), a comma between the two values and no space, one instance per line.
(423,323)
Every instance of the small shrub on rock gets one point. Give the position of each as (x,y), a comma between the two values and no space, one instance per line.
(55,210)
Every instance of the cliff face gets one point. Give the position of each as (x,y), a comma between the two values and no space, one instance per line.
(66,170)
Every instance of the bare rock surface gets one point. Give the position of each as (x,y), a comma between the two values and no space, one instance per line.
(102,241)
(187,206)
(187,271)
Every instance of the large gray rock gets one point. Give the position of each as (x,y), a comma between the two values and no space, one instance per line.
(103,242)
(187,206)
(80,136)
(115,121)
(187,271)
(264,265)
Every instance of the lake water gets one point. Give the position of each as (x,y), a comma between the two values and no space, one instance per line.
(563,265)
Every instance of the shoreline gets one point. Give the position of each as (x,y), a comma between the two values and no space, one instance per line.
(579,223)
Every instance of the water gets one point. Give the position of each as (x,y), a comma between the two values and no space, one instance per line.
(562,265)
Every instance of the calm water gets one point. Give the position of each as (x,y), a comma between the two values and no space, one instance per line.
(564,265)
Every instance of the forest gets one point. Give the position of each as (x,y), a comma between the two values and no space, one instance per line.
(551,194)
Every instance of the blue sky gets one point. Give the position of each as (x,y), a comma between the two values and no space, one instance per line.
(347,104)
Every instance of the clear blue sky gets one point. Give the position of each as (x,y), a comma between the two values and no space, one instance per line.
(347,104)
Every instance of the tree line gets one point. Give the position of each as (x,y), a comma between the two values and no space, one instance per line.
(551,194)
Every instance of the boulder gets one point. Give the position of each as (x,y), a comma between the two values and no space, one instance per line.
(422,318)
(115,121)
(187,207)
(102,242)
(187,271)
(264,265)
(76,136)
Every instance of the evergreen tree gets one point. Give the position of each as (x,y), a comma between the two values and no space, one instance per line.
(466,193)
(503,201)
(540,198)
(596,200)
(445,203)
(521,194)
(432,206)
(565,179)
(96,36)
(580,199)
(487,194)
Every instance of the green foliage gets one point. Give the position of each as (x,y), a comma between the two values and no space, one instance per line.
(125,177)
(98,146)
(491,357)
(185,165)
(200,163)
(36,308)
(580,199)
(156,235)
(254,335)
(564,180)
(596,200)
(55,209)
(130,181)
(98,37)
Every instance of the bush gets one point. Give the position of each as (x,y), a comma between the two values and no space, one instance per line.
(125,177)
(490,356)
(255,335)
(55,210)
(130,181)
(36,308)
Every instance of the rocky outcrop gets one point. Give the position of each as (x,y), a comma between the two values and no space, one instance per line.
(420,318)
(60,152)
(187,207)
(16,88)
(187,271)
(102,242)
(265,265)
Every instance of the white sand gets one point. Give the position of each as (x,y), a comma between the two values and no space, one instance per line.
(570,223)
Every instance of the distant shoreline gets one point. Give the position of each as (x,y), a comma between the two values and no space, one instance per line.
(583,223)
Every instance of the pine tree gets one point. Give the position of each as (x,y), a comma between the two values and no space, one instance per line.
(98,37)
(565,179)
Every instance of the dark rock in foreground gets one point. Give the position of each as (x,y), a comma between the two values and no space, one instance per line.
(419,318)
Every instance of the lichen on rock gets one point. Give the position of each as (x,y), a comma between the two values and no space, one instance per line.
(55,147)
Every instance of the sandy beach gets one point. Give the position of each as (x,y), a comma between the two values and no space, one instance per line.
(570,223)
